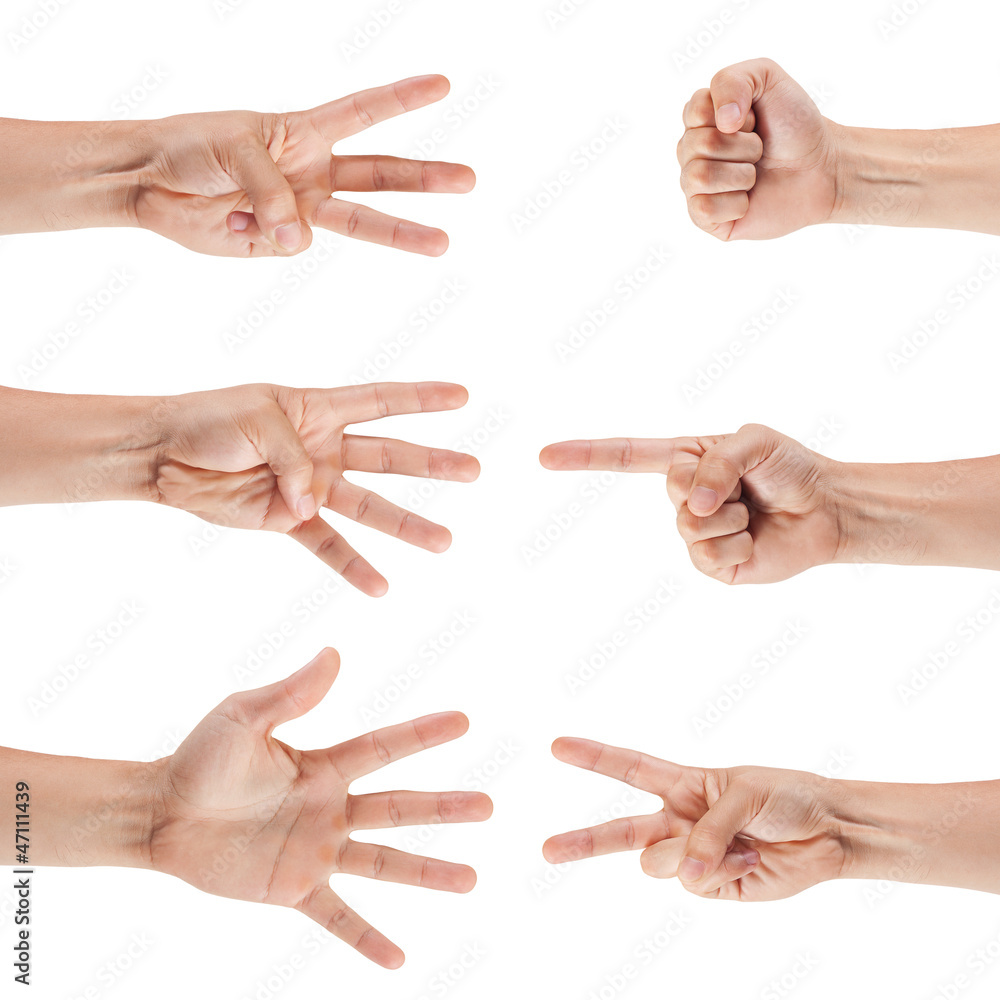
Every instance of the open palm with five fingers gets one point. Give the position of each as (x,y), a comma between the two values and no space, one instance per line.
(245,184)
(266,456)
(243,815)
(757,158)
(746,833)
(753,507)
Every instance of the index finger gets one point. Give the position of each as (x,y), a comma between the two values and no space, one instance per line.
(368,753)
(385,399)
(621,454)
(651,774)
(356,112)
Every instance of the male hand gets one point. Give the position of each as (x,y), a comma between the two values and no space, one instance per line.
(243,815)
(245,184)
(757,158)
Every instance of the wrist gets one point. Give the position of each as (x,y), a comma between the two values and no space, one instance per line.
(71,175)
(124,450)
(876,843)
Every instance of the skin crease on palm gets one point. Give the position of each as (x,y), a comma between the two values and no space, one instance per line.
(232,782)
(243,184)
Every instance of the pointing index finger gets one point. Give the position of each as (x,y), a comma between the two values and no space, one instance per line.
(386,399)
(356,112)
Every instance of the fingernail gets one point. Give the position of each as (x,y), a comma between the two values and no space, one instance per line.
(690,870)
(750,856)
(290,236)
(702,499)
(728,115)
(238,221)
(305,508)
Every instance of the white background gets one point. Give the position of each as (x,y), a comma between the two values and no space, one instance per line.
(857,296)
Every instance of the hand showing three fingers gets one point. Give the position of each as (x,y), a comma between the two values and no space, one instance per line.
(266,456)
(753,507)
(244,184)
(757,158)
(243,815)
(747,833)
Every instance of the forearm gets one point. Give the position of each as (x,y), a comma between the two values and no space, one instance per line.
(943,834)
(933,514)
(940,178)
(64,449)
(69,175)
(79,812)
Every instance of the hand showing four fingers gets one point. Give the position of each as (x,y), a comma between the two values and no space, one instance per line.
(746,833)
(266,456)
(753,507)
(243,815)
(244,184)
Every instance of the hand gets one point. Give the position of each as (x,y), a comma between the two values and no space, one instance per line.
(265,456)
(747,833)
(753,507)
(245,816)
(757,158)
(243,184)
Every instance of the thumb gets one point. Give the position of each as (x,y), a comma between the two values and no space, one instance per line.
(735,89)
(288,699)
(279,444)
(271,196)
(709,840)
(724,464)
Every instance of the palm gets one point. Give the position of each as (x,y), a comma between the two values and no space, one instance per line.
(795,184)
(214,178)
(245,816)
